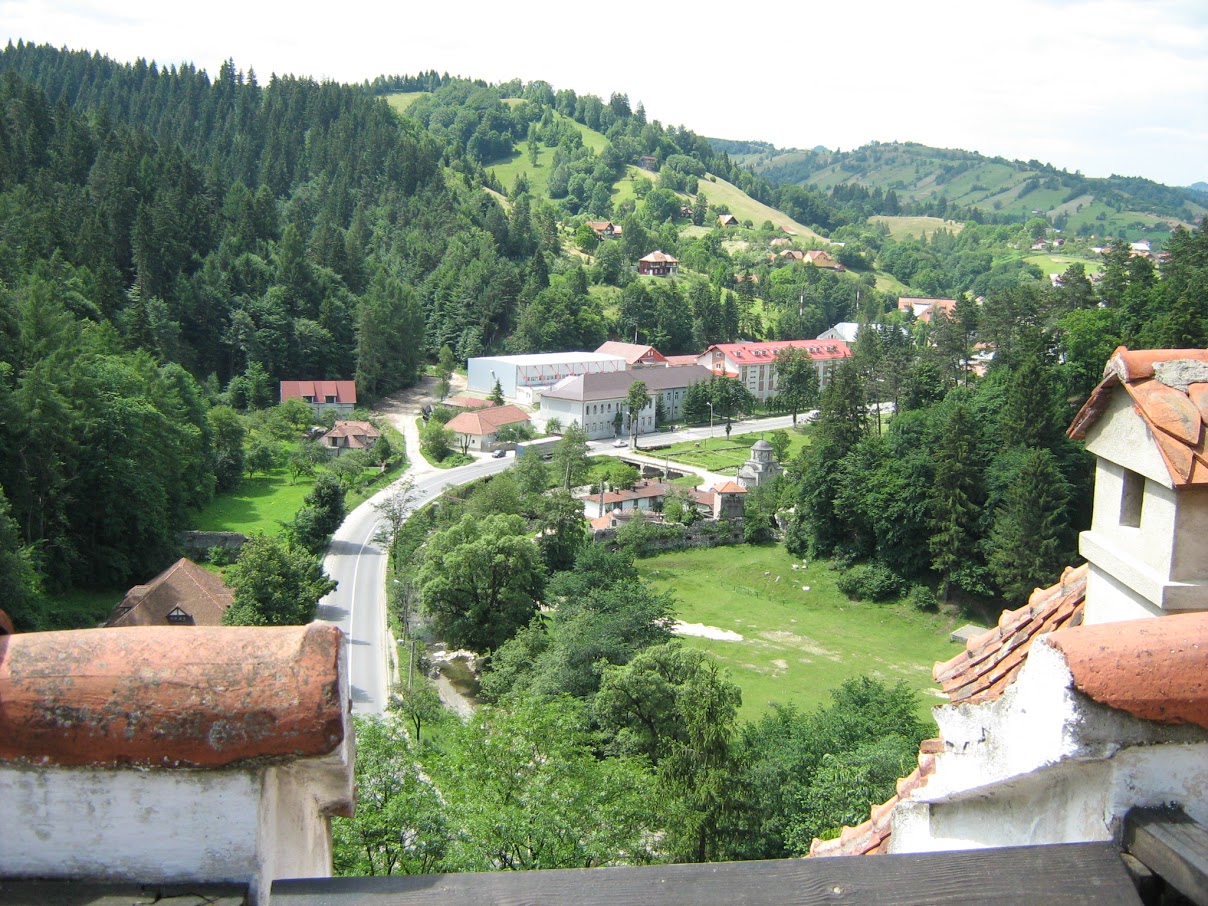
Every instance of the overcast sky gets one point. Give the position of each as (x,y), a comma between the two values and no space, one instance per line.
(1101,86)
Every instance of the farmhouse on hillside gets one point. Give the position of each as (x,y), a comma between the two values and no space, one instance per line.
(924,309)
(658,264)
(727,220)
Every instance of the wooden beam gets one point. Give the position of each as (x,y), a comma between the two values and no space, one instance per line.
(1062,875)
(1172,846)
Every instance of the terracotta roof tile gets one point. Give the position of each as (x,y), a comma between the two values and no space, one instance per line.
(486,421)
(992,660)
(871,837)
(161,696)
(1155,670)
(1169,390)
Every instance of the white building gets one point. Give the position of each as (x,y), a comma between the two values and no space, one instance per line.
(846,331)
(594,400)
(523,376)
(754,364)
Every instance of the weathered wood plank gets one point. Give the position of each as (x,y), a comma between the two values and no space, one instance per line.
(1065,875)
(1173,846)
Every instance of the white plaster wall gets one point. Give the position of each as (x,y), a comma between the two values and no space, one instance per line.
(1121,436)
(294,837)
(1045,764)
(1110,601)
(149,825)
(1190,559)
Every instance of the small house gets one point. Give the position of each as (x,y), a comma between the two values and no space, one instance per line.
(184,594)
(727,220)
(324,396)
(658,264)
(478,429)
(349,436)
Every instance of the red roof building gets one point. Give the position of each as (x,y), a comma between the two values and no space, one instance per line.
(350,436)
(658,264)
(755,363)
(477,429)
(340,396)
(923,309)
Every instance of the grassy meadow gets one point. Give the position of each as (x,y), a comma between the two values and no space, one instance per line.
(721,454)
(258,506)
(797,645)
(912,227)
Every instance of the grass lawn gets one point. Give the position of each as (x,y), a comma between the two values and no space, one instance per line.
(744,207)
(723,455)
(796,645)
(401,100)
(258,506)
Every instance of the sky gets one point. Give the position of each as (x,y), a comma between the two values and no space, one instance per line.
(1099,86)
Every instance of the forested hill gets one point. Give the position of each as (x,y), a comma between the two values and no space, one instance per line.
(908,178)
(170,242)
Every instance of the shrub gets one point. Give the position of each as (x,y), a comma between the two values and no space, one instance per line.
(870,581)
(922,598)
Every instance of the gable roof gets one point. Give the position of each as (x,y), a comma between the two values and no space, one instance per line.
(357,433)
(729,487)
(1169,391)
(924,308)
(193,595)
(659,257)
(343,391)
(486,421)
(632,353)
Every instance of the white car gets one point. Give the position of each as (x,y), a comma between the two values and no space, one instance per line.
(620,442)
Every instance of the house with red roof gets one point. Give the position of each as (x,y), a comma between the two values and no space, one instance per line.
(478,429)
(349,435)
(605,229)
(658,264)
(1084,710)
(324,396)
(754,364)
(923,309)
(822,258)
(634,354)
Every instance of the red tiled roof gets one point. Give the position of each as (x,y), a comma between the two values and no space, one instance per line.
(1169,391)
(486,421)
(343,391)
(170,697)
(356,432)
(729,487)
(632,353)
(757,353)
(642,490)
(199,596)
(992,660)
(871,838)
(468,402)
(1154,670)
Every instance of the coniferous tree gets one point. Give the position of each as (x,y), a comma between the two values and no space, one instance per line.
(955,498)
(1030,538)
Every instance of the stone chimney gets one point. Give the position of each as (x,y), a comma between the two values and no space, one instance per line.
(173,754)
(1145,425)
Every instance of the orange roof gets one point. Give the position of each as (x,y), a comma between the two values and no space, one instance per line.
(486,421)
(1169,391)
(318,391)
(871,838)
(729,487)
(183,594)
(642,490)
(356,432)
(991,661)
(162,696)
(756,353)
(469,402)
(1154,671)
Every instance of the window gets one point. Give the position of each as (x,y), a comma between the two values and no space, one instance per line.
(1132,496)
(178,617)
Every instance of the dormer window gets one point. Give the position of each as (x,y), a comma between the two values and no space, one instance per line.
(1132,495)
(178,617)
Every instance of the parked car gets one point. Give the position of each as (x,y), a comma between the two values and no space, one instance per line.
(620,442)
(499,454)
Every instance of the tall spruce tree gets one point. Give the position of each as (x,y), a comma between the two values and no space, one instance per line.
(1030,537)
(955,498)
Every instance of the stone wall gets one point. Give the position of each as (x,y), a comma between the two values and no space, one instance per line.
(702,533)
(197,545)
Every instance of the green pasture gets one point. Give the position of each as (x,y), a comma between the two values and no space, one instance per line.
(797,645)
(912,227)
(401,100)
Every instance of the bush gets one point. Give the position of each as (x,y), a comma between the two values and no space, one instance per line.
(922,598)
(870,581)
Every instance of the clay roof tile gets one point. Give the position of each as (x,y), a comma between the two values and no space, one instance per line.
(159,696)
(1154,671)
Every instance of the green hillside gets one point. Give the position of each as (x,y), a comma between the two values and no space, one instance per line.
(952,183)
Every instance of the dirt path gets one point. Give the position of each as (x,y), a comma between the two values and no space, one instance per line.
(403,408)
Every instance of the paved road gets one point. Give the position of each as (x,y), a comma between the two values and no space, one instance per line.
(358,605)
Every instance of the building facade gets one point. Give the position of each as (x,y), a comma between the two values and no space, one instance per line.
(595,400)
(754,364)
(520,375)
